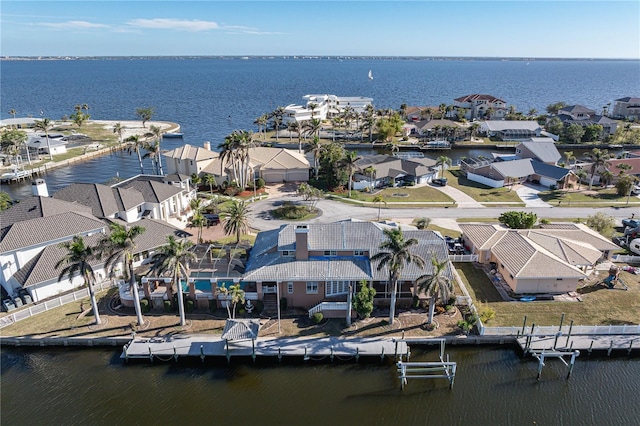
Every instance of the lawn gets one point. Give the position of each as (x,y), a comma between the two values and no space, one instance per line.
(424,194)
(585,197)
(599,306)
(479,192)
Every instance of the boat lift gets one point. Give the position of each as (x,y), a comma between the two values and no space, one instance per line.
(428,370)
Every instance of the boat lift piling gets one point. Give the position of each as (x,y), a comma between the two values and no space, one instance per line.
(541,355)
(428,370)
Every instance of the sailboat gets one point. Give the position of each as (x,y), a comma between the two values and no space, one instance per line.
(370,75)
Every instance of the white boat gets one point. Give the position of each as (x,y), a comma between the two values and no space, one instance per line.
(370,75)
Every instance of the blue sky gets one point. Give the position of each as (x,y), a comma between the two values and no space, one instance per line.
(574,29)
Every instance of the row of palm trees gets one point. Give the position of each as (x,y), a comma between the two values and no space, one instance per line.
(152,147)
(118,248)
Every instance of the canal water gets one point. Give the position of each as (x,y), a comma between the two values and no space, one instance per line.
(493,386)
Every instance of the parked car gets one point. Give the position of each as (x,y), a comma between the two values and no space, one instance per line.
(440,181)
(633,223)
(213,219)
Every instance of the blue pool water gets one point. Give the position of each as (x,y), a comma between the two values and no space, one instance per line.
(202,285)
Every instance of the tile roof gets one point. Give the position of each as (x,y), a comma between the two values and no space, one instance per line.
(478,97)
(152,190)
(502,125)
(577,109)
(190,152)
(628,99)
(277,158)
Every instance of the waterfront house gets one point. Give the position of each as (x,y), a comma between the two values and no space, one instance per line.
(476,106)
(32,231)
(105,202)
(273,165)
(188,159)
(393,171)
(511,130)
(308,263)
(578,114)
(324,106)
(540,149)
(496,174)
(627,108)
(552,259)
(163,199)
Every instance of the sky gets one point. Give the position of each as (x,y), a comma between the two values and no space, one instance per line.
(507,28)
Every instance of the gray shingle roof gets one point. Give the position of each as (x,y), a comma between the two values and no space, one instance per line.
(103,200)
(515,168)
(543,151)
(548,170)
(42,230)
(37,206)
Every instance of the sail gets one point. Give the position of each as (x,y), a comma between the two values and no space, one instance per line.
(370,75)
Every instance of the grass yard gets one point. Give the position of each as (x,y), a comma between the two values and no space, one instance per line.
(586,198)
(479,192)
(424,194)
(599,306)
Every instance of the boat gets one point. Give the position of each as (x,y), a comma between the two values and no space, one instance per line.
(172,135)
(370,75)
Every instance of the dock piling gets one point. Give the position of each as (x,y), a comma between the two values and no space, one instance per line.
(630,347)
(175,354)
(202,353)
(569,335)
(150,355)
(610,348)
(590,348)
(279,354)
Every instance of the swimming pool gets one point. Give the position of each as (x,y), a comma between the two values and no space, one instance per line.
(202,285)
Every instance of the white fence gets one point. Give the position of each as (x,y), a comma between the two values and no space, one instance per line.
(41,307)
(328,306)
(553,330)
(463,257)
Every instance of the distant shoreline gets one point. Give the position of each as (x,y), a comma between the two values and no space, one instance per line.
(314,57)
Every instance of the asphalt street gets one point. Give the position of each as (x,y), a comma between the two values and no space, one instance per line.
(332,211)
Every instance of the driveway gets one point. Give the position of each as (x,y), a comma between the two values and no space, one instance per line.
(462,199)
(529,195)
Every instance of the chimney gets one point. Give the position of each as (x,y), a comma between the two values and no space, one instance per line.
(39,188)
(302,242)
(207,145)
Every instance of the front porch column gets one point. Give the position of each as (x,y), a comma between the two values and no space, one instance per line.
(192,290)
(146,288)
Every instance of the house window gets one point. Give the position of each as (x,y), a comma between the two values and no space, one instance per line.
(558,279)
(140,208)
(288,253)
(358,252)
(312,287)
(337,287)
(290,287)
(330,253)
(191,162)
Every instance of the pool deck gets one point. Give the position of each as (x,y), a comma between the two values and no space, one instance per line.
(165,348)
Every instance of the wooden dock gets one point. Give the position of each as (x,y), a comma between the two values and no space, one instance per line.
(203,346)
(608,343)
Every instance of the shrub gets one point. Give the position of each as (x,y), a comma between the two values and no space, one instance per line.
(487,314)
(213,305)
(283,303)
(190,306)
(260,183)
(242,311)
(545,221)
(317,317)
(167,306)
(144,306)
(259,306)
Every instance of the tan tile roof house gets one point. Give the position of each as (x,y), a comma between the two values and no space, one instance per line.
(550,259)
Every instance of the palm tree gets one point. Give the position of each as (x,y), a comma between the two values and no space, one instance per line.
(313,126)
(12,113)
(599,158)
(276,117)
(295,127)
(153,152)
(157,133)
(315,148)
(371,171)
(174,258)
(581,174)
(350,163)
(569,155)
(195,180)
(13,141)
(532,112)
(135,144)
(45,125)
(443,161)
(379,199)
(236,220)
(395,253)
(77,261)
(262,124)
(198,219)
(435,286)
(210,180)
(233,295)
(117,129)
(118,248)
